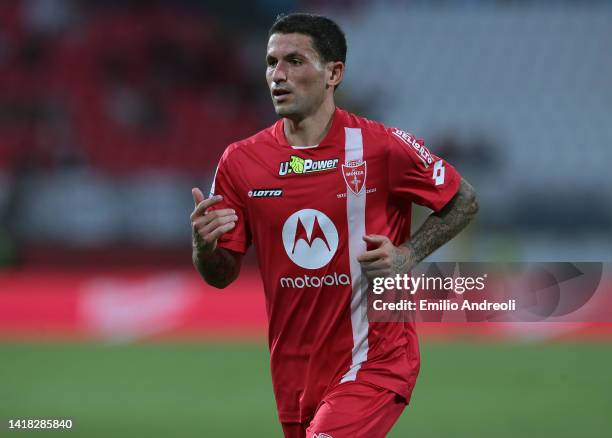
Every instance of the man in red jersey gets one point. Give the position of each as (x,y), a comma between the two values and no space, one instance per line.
(325,197)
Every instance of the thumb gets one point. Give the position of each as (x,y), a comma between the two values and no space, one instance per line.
(198,196)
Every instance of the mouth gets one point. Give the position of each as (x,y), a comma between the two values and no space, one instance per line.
(279,94)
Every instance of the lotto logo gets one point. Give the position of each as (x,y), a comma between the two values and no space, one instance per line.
(265,193)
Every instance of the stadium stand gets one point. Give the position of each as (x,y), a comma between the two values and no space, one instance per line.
(108,109)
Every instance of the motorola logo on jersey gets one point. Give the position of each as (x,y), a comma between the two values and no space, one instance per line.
(310,238)
(306,281)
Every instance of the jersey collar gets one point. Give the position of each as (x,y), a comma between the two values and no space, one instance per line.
(334,135)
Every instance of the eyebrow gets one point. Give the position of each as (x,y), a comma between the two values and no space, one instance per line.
(288,55)
(294,54)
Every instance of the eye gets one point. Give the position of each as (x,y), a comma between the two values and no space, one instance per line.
(271,62)
(295,61)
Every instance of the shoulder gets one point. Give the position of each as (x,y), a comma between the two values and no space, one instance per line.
(247,145)
(381,138)
(407,144)
(394,141)
(371,127)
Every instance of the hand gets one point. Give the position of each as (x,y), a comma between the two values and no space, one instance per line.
(208,226)
(386,259)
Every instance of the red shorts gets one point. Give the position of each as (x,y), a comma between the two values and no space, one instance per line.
(351,410)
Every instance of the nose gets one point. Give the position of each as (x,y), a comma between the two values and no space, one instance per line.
(279,74)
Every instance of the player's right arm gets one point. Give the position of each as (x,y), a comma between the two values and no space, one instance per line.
(218,266)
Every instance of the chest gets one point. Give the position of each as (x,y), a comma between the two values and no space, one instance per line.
(282,184)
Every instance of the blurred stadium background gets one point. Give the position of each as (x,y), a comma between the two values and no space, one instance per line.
(110,111)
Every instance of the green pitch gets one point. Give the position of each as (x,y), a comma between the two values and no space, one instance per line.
(224,390)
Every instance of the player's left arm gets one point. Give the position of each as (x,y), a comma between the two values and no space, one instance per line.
(440,227)
(416,175)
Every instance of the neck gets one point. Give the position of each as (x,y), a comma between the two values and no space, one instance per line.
(312,129)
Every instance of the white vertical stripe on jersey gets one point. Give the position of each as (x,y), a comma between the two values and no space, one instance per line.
(355,211)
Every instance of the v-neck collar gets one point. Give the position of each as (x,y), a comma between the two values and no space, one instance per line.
(333,136)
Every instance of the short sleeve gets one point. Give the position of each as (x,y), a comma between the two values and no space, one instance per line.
(415,174)
(239,238)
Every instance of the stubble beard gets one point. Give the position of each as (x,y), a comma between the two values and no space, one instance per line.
(290,111)
(298,110)
(283,110)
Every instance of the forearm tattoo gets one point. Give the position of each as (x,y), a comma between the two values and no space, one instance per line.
(441,227)
(218,268)
(400,262)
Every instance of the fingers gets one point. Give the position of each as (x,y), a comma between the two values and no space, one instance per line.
(376,239)
(198,196)
(378,268)
(221,221)
(379,247)
(370,256)
(202,206)
(218,232)
(383,263)
(208,227)
(201,221)
(376,262)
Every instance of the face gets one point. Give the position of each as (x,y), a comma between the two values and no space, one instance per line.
(296,75)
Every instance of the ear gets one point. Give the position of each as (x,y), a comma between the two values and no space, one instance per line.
(335,73)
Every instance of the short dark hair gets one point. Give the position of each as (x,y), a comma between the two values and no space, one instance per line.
(327,37)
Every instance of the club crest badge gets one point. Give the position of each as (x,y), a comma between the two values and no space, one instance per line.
(354,174)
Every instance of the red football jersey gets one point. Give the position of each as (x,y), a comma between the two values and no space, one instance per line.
(306,210)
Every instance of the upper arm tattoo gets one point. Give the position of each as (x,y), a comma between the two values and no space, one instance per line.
(442,226)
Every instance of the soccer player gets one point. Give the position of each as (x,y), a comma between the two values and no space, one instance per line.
(325,197)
